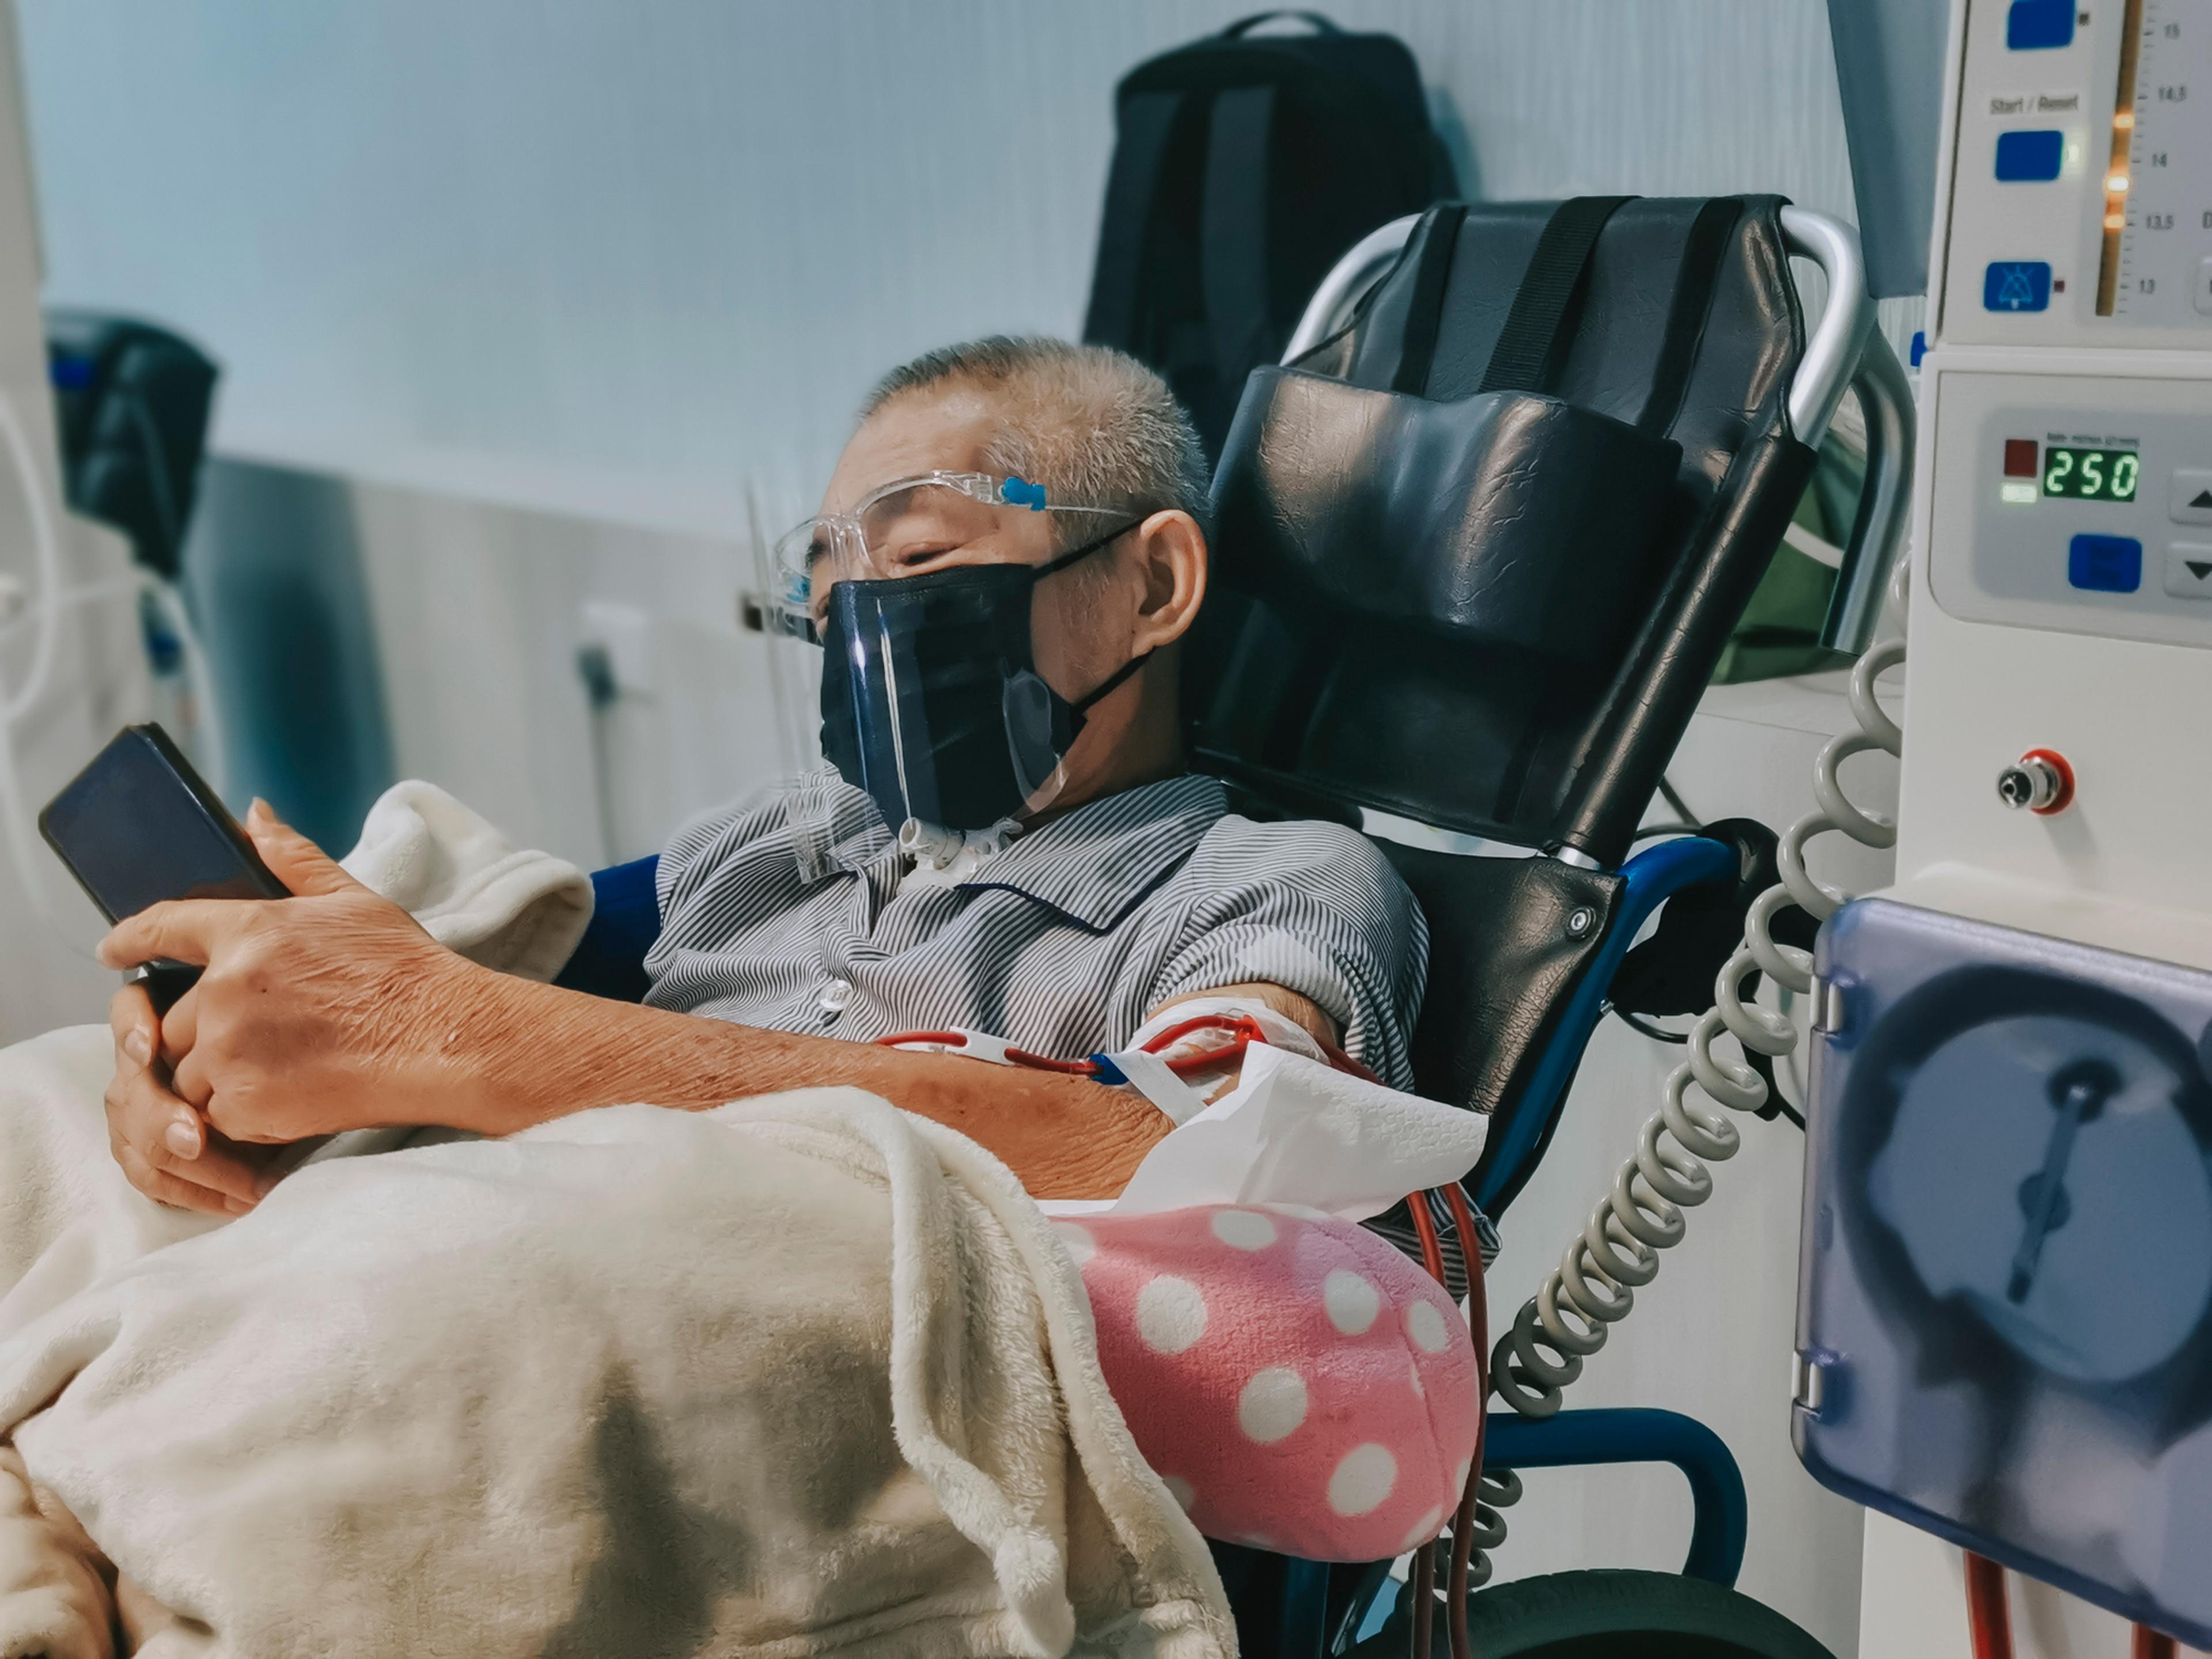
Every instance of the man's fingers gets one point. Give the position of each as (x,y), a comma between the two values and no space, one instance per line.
(189,1081)
(165,1188)
(184,930)
(180,1026)
(167,1136)
(216,1166)
(297,861)
(137,1029)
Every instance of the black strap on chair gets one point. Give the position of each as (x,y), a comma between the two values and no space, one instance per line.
(1525,358)
(1686,311)
(1545,305)
(1424,312)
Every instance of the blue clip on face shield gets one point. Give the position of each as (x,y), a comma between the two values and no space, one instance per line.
(922,597)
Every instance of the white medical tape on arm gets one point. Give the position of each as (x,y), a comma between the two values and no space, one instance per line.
(1282,1031)
(1154,1079)
(981,1045)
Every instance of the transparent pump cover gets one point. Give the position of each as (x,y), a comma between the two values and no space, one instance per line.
(2005,1283)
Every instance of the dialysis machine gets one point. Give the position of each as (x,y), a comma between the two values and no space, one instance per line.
(2005,1318)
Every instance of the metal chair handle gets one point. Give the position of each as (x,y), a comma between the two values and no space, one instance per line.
(1347,285)
(1885,511)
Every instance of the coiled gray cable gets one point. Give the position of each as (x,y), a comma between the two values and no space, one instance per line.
(1617,1252)
(1501,1489)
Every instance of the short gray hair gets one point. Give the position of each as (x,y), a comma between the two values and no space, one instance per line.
(1092,425)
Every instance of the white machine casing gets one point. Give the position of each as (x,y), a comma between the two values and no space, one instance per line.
(97,679)
(2057,610)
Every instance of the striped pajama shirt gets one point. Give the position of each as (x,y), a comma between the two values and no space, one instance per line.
(793,912)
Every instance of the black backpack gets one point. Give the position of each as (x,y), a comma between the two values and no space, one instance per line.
(1244,167)
(132,402)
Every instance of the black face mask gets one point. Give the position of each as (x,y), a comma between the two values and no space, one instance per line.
(931,699)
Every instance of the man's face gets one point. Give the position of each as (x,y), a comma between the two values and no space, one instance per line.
(1080,618)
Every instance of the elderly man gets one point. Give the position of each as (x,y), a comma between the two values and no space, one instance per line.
(1009,551)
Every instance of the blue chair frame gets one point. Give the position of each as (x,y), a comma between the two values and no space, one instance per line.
(1650,878)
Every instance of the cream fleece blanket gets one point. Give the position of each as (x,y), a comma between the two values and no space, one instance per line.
(520,912)
(800,1376)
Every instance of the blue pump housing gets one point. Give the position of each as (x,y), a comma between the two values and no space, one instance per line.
(2005,1278)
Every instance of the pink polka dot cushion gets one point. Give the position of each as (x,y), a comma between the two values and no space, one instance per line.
(1299,1384)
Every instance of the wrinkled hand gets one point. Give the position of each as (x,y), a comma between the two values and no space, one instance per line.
(164,1146)
(329,1010)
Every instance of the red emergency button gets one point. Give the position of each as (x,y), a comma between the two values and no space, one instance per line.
(2022,458)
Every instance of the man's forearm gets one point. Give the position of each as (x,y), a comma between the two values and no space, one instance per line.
(545,1051)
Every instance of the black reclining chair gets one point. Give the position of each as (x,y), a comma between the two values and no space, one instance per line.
(1412,617)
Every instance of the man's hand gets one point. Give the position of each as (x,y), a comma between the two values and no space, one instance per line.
(329,1010)
(165,1147)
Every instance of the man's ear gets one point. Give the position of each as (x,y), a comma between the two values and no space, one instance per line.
(1172,558)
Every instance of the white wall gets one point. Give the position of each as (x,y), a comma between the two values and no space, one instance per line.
(624,257)
(638,260)
(473,601)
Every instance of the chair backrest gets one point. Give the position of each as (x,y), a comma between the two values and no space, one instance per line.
(1311,695)
(1307,698)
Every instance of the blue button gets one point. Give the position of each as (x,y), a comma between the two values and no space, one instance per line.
(2036,25)
(2029,157)
(2105,564)
(2016,285)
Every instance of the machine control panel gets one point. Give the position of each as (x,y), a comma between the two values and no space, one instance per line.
(2089,514)
(2081,209)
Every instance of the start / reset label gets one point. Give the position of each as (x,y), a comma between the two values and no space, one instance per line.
(2009,105)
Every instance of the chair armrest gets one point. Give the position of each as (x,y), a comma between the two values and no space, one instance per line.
(1721,1514)
(1651,877)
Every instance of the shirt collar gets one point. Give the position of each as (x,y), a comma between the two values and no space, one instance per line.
(1095,863)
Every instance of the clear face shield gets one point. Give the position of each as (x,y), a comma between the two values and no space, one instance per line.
(921,596)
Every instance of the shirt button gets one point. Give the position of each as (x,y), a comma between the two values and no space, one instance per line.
(836,996)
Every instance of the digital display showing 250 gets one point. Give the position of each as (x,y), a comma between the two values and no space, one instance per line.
(2090,475)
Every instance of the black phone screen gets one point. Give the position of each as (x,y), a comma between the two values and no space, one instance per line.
(138,826)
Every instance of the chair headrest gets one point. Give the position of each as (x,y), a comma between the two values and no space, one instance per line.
(1477,556)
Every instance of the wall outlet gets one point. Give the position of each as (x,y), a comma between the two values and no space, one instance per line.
(623,634)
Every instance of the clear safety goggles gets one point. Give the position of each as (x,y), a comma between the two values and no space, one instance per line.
(919,524)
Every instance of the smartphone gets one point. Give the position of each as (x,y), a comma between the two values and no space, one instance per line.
(139,826)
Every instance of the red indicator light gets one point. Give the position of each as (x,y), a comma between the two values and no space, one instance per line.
(2021,457)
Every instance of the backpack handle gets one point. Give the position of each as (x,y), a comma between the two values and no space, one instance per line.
(1321,25)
